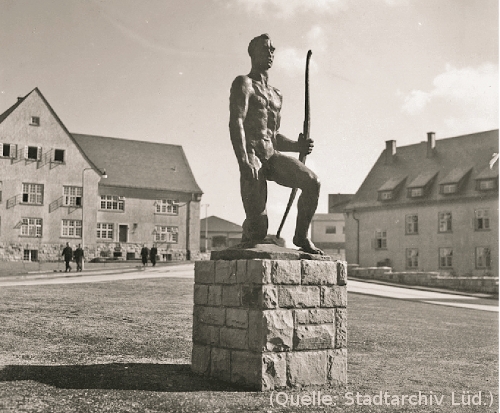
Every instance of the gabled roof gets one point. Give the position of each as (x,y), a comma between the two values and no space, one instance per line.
(4,115)
(465,156)
(216,224)
(140,164)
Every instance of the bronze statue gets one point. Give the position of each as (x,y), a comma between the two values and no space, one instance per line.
(254,123)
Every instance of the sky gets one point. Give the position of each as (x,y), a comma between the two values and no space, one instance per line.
(160,71)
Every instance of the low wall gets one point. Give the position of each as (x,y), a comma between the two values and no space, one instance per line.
(487,285)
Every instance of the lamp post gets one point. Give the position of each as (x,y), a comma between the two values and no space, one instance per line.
(103,175)
(206,226)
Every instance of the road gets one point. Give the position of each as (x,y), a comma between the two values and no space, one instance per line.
(356,287)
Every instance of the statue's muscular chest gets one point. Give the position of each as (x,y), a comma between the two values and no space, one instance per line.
(265,98)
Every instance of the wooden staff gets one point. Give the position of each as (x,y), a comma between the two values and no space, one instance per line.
(305,134)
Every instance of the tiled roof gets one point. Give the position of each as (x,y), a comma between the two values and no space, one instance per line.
(139,164)
(216,224)
(337,202)
(452,159)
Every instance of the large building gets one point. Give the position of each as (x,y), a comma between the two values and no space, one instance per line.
(110,195)
(432,206)
(328,230)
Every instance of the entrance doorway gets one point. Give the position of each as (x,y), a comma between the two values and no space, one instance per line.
(123,233)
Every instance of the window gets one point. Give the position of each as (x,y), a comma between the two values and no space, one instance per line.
(385,195)
(8,150)
(416,192)
(72,196)
(486,184)
(445,257)
(31,227)
(483,257)
(71,228)
(448,189)
(166,234)
(167,206)
(482,219)
(59,155)
(30,255)
(412,258)
(444,222)
(33,194)
(32,153)
(112,202)
(381,240)
(0,191)
(411,224)
(35,121)
(104,231)
(331,230)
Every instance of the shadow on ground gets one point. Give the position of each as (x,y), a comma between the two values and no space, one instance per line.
(116,376)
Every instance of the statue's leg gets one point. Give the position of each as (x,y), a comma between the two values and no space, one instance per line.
(290,172)
(254,197)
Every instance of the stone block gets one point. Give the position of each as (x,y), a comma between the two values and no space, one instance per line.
(206,334)
(209,315)
(314,337)
(231,295)
(204,272)
(200,294)
(298,296)
(246,369)
(307,368)
(340,328)
(273,371)
(241,271)
(314,316)
(337,366)
(269,297)
(200,359)
(220,363)
(270,330)
(319,272)
(214,295)
(251,295)
(286,272)
(225,272)
(237,318)
(234,338)
(257,272)
(335,296)
(341,273)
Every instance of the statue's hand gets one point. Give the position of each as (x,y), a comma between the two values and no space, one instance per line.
(249,171)
(305,145)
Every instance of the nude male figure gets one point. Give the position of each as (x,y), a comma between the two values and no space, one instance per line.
(254,122)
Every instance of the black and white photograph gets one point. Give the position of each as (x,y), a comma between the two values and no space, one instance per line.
(249,206)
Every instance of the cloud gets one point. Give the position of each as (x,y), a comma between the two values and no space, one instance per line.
(472,92)
(287,8)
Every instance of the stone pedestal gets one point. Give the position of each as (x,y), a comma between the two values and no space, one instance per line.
(270,323)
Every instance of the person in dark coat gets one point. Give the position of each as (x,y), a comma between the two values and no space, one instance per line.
(144,255)
(67,253)
(152,255)
(78,255)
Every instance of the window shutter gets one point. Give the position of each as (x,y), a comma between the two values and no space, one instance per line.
(13,151)
(26,152)
(39,153)
(1,149)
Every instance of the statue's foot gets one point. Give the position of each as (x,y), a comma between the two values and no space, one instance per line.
(306,245)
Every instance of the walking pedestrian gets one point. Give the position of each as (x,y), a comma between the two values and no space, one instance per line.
(78,255)
(152,255)
(67,253)
(144,255)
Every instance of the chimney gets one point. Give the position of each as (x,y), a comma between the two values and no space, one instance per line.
(19,99)
(431,144)
(390,151)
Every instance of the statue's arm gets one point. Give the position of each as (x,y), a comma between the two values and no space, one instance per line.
(238,108)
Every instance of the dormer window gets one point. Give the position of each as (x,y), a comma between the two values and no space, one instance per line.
(35,121)
(449,188)
(416,192)
(385,195)
(391,188)
(486,184)
(421,185)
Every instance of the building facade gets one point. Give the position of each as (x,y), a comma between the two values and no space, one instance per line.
(110,195)
(431,206)
(218,234)
(328,230)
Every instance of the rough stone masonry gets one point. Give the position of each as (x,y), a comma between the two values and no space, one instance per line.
(270,324)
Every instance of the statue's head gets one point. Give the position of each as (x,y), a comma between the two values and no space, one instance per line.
(261,51)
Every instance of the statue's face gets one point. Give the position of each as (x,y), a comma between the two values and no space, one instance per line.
(263,54)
